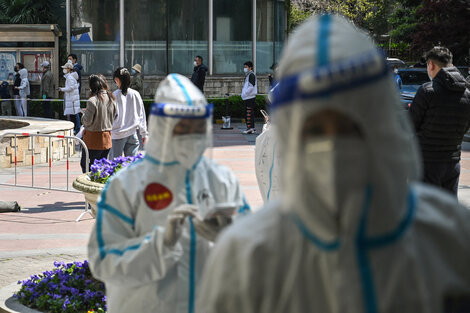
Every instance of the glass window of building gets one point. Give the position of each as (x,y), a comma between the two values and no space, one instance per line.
(264,36)
(187,34)
(232,35)
(146,35)
(280,16)
(95,34)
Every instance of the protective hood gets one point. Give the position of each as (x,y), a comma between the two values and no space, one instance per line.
(23,73)
(74,75)
(176,98)
(330,64)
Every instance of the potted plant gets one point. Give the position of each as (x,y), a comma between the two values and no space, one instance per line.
(92,183)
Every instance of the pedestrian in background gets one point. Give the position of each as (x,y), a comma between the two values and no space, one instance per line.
(130,117)
(5,95)
(23,88)
(47,89)
(77,67)
(71,96)
(396,77)
(441,115)
(98,120)
(199,73)
(249,92)
(137,82)
(16,91)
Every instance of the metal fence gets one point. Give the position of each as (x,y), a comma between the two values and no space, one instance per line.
(50,161)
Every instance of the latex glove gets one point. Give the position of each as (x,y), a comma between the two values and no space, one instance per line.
(210,229)
(175,222)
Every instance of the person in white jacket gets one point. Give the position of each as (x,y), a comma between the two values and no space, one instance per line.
(130,119)
(71,95)
(24,90)
(355,230)
(149,243)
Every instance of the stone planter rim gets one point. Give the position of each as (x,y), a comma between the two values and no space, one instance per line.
(83,183)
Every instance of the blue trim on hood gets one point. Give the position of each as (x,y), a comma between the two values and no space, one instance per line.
(185,92)
(182,111)
(318,82)
(323,245)
(323,40)
(364,244)
(157,162)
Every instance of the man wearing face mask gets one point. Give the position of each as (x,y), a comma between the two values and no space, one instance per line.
(137,82)
(441,116)
(355,230)
(199,73)
(150,242)
(249,92)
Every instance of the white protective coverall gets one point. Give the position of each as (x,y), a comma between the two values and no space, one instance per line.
(390,244)
(126,248)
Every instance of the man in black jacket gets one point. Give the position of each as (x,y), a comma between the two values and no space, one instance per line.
(441,115)
(199,75)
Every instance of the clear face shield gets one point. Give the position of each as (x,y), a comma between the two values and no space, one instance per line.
(185,133)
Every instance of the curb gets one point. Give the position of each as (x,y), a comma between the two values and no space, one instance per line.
(8,304)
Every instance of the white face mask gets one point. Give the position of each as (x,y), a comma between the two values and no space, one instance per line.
(395,71)
(194,63)
(65,71)
(188,149)
(333,168)
(245,69)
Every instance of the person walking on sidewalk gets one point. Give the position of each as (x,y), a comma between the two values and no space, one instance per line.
(23,89)
(131,116)
(98,120)
(199,73)
(16,91)
(47,89)
(77,67)
(71,95)
(441,116)
(249,92)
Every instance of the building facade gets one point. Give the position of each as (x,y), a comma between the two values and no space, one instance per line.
(164,36)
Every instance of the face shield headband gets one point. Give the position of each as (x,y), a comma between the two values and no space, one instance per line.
(182,111)
(326,80)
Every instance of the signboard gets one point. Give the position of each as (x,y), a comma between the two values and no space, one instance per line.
(7,65)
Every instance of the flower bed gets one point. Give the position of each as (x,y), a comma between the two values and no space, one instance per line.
(103,169)
(67,288)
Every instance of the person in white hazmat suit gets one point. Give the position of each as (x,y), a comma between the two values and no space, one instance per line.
(150,243)
(355,230)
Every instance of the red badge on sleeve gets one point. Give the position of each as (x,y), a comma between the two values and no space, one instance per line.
(157,196)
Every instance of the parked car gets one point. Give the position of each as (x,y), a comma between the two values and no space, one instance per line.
(412,78)
(392,62)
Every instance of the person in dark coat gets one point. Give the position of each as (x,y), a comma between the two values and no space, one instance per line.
(77,67)
(441,115)
(199,74)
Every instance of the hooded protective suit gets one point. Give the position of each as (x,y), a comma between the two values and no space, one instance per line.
(354,232)
(24,90)
(126,248)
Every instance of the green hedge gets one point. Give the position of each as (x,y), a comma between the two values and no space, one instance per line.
(236,108)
